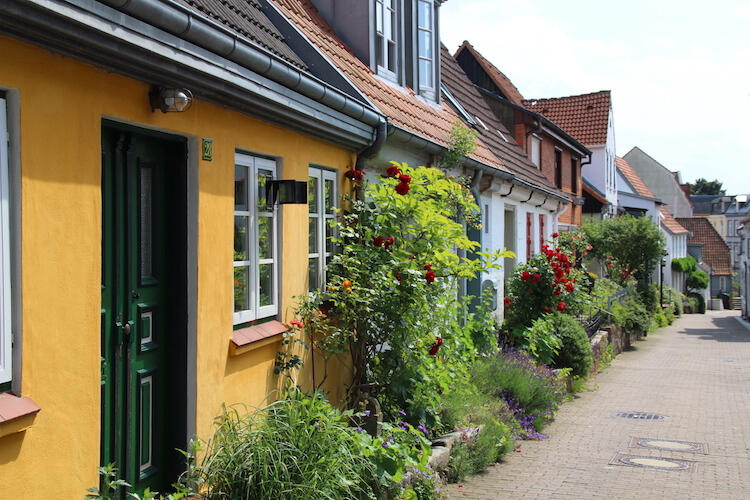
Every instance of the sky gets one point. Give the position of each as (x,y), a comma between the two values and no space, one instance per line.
(679,71)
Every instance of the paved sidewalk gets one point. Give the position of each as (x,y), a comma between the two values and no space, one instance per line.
(696,372)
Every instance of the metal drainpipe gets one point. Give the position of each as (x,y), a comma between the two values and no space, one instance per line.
(371,151)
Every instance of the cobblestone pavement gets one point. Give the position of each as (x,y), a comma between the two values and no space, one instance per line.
(697,372)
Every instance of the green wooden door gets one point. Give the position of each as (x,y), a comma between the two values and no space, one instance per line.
(143,305)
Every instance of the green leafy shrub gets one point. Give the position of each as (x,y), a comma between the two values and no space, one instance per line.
(697,280)
(540,340)
(650,296)
(393,283)
(684,264)
(700,302)
(547,282)
(426,485)
(397,449)
(298,447)
(629,247)
(575,349)
(533,392)
(672,296)
(466,406)
(477,453)
(631,314)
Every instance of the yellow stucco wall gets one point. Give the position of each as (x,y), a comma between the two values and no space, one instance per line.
(62,105)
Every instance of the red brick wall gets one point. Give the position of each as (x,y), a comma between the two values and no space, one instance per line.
(573,214)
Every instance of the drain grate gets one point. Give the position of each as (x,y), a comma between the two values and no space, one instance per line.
(669,445)
(640,415)
(658,463)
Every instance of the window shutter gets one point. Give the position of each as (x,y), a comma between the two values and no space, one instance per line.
(528,235)
(541,230)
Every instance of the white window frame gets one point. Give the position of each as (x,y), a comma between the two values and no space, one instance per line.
(6,332)
(535,145)
(256,311)
(425,89)
(322,219)
(384,34)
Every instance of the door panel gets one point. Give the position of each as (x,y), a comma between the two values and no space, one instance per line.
(143,305)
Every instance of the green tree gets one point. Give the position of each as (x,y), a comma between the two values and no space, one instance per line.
(634,244)
(703,186)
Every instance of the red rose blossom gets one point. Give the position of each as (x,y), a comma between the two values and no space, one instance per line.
(402,188)
(560,306)
(569,287)
(547,310)
(429,276)
(506,300)
(398,276)
(555,235)
(536,278)
(389,241)
(354,175)
(525,275)
(377,241)
(434,349)
(427,267)
(404,178)
(296,323)
(392,171)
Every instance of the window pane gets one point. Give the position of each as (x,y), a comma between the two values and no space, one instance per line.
(263,177)
(265,284)
(240,188)
(240,238)
(425,44)
(312,274)
(379,50)
(312,195)
(265,237)
(313,238)
(425,73)
(379,17)
(425,15)
(329,196)
(329,234)
(392,56)
(241,290)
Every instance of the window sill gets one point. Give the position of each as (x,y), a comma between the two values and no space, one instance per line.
(16,414)
(253,337)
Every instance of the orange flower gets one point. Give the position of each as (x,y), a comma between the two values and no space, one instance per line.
(346,283)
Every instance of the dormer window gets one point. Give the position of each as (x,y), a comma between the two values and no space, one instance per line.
(426,47)
(386,39)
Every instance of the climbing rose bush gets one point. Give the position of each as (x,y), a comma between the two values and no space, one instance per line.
(548,282)
(390,302)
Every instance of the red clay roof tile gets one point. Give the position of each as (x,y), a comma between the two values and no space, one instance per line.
(627,171)
(715,251)
(671,223)
(585,117)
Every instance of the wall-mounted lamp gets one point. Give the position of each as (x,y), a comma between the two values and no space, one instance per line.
(286,192)
(169,100)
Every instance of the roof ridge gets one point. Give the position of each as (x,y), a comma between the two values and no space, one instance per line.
(588,94)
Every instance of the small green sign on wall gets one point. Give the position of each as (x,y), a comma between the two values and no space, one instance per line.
(207,149)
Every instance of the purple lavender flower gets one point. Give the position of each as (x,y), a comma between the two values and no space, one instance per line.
(385,445)
(404,425)
(402,413)
(367,413)
(422,428)
(359,430)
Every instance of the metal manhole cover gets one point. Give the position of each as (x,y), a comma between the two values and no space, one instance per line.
(669,445)
(658,463)
(640,415)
